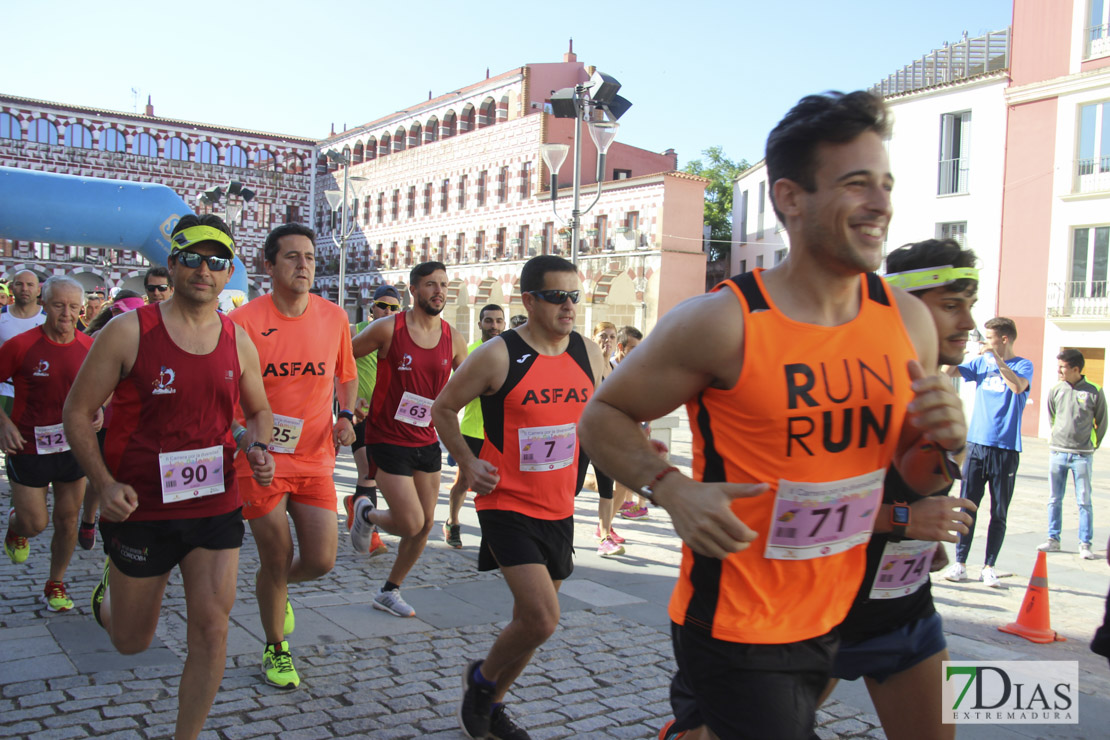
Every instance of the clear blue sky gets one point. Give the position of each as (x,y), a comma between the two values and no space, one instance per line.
(699,73)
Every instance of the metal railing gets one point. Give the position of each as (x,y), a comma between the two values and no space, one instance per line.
(958,61)
(952,176)
(1079,298)
(1092,175)
(1098,42)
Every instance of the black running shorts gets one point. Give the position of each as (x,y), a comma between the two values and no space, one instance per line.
(152,548)
(509,538)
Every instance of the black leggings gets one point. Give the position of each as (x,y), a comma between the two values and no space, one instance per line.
(604,482)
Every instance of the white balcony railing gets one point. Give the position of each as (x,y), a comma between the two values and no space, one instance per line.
(1079,299)
(1091,175)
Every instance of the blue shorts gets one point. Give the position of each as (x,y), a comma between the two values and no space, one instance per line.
(881,657)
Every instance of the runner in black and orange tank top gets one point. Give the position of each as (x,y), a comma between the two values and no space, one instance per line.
(796,382)
(169,498)
(533,383)
(416,352)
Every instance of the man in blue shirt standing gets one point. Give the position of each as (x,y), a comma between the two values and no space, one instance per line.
(994,440)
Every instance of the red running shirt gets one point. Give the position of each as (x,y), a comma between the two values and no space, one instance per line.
(42,372)
(531,429)
(174,401)
(409,379)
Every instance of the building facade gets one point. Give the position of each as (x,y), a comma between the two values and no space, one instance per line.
(188,157)
(459,179)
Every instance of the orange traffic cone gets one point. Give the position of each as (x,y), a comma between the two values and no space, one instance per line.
(1032,621)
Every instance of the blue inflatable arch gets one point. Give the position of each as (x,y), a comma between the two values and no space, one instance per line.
(95,212)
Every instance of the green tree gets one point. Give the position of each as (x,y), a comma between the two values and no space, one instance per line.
(721,172)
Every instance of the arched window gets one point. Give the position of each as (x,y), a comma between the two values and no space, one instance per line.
(466,120)
(487,114)
(9,127)
(263,160)
(416,135)
(207,154)
(42,131)
(385,146)
(235,156)
(358,153)
(450,125)
(78,136)
(431,130)
(399,139)
(111,140)
(294,164)
(145,145)
(177,148)
(371,149)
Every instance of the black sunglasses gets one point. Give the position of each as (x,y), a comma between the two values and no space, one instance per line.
(159,288)
(387,306)
(558,297)
(192,260)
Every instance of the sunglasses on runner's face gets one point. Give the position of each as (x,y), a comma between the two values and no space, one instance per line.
(192,260)
(387,306)
(159,288)
(558,297)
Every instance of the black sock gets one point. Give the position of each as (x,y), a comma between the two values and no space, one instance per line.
(390,586)
(370,492)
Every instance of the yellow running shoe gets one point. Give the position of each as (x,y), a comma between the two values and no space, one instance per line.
(277,666)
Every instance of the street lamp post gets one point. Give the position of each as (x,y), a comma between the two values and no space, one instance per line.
(339,201)
(596,104)
(232,189)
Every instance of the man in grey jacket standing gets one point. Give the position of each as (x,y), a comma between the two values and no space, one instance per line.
(1077,410)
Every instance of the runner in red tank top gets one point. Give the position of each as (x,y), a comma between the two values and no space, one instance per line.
(533,383)
(42,364)
(170,497)
(782,433)
(416,352)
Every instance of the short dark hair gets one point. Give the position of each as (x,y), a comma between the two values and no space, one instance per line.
(424,269)
(933,253)
(536,269)
(208,219)
(1073,358)
(628,332)
(489,307)
(1004,326)
(519,320)
(834,117)
(270,246)
(158,271)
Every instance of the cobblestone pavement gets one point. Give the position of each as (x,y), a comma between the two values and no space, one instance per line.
(604,674)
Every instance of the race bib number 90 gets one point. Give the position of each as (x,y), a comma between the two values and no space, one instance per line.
(191,473)
(815,520)
(415,410)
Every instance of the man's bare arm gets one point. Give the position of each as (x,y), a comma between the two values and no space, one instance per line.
(374,337)
(696,345)
(257,414)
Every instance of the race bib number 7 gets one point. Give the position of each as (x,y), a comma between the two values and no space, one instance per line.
(547,448)
(191,473)
(815,520)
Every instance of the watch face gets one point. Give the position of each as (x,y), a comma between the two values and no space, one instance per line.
(900,515)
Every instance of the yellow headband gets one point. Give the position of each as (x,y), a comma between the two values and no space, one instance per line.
(931,277)
(197,234)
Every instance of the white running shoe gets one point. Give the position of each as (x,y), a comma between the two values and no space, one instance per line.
(391,601)
(1050,545)
(361,529)
(988,577)
(1085,551)
(957,573)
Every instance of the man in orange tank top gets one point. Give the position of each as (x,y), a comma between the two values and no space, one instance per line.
(416,352)
(148,530)
(304,347)
(533,383)
(802,383)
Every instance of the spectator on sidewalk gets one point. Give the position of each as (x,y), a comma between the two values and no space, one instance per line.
(1077,412)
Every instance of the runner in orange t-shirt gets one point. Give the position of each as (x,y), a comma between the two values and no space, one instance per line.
(304,348)
(796,381)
